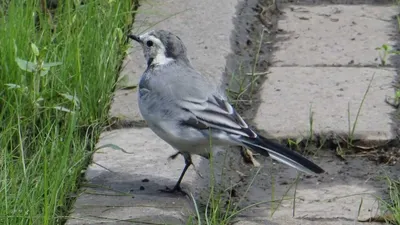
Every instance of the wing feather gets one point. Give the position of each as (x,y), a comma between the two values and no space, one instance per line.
(215,112)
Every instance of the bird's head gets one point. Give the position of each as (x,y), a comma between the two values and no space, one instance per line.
(161,47)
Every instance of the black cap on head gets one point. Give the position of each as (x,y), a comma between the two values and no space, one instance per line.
(174,47)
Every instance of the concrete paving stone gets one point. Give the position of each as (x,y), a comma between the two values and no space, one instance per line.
(205,31)
(124,187)
(334,34)
(125,106)
(343,195)
(289,93)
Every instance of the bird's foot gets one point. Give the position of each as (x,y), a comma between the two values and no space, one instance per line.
(172,157)
(176,189)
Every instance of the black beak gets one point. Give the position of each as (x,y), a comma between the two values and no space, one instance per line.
(134,37)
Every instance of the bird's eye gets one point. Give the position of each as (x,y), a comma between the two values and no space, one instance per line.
(149,43)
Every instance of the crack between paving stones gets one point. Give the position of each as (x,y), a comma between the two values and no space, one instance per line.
(325,219)
(117,124)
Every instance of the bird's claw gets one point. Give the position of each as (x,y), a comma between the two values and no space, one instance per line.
(172,157)
(173,190)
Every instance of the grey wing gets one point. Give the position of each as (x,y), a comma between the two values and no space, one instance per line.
(215,112)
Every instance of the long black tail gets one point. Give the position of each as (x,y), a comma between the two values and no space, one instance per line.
(282,154)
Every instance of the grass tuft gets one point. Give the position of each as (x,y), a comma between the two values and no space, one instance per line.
(393,206)
(55,91)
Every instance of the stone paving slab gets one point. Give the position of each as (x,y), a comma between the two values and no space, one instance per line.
(205,31)
(125,106)
(124,187)
(343,195)
(334,34)
(290,93)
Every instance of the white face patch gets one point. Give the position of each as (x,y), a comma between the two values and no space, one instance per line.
(157,51)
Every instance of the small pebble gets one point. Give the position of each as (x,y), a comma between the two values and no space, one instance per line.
(145,180)
(141,188)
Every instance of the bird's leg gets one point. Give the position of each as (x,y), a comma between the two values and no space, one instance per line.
(177,187)
(248,158)
(206,156)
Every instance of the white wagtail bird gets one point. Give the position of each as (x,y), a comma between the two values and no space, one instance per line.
(189,112)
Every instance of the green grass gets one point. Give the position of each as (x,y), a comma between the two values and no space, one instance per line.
(50,122)
(221,208)
(391,207)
